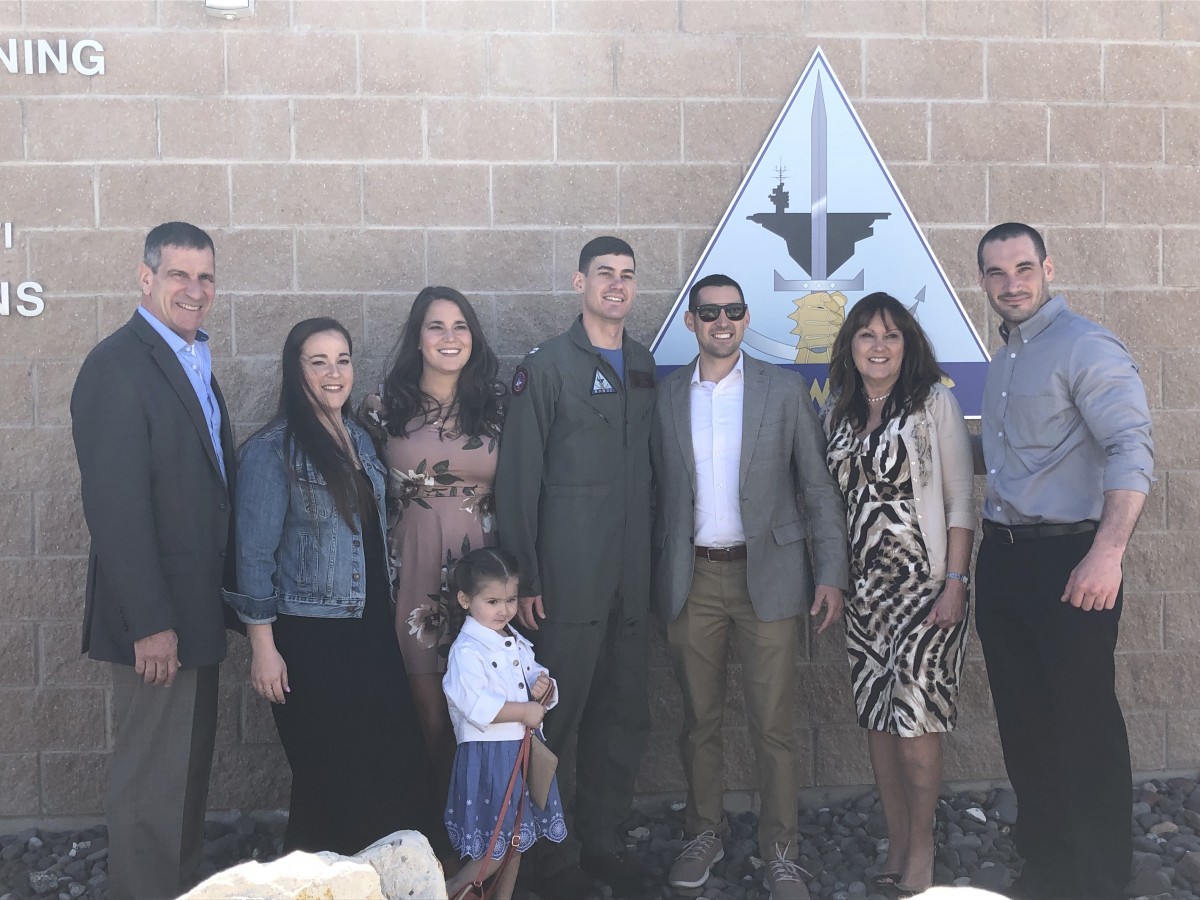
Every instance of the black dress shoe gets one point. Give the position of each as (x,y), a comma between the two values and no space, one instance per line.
(571,883)
(620,871)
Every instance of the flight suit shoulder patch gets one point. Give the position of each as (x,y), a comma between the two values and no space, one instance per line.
(520,381)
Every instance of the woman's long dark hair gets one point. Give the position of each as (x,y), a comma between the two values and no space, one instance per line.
(306,435)
(919,370)
(479,394)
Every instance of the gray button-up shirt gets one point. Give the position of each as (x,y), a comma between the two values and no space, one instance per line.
(1065,419)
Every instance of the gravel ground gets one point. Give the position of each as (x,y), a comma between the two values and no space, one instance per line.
(841,846)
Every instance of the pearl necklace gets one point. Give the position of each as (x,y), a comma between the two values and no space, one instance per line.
(877,399)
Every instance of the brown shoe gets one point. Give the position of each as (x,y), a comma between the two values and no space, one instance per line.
(694,864)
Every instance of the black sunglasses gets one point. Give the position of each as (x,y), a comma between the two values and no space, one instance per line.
(710,312)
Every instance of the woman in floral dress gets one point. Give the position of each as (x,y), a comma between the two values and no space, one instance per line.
(437,423)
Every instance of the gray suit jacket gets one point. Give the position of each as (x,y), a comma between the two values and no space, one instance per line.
(787,494)
(155,503)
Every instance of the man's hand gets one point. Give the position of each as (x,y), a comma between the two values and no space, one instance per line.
(528,608)
(1094,583)
(829,599)
(156,657)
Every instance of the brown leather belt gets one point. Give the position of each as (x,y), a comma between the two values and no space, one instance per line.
(1010,534)
(722,554)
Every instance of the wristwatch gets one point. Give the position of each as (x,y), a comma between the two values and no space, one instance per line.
(959,576)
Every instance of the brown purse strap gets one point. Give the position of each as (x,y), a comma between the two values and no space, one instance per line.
(520,766)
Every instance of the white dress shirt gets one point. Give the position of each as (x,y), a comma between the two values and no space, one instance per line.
(717,445)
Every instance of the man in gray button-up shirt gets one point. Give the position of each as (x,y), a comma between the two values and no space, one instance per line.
(1069,459)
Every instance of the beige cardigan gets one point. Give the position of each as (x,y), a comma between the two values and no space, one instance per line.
(943,476)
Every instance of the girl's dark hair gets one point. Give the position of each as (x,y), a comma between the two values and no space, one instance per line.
(470,572)
(480,393)
(306,435)
(919,371)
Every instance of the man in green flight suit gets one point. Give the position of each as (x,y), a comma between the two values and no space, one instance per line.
(573,503)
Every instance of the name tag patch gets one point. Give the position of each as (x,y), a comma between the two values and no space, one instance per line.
(601,385)
(641,379)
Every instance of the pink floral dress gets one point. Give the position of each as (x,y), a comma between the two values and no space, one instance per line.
(439,505)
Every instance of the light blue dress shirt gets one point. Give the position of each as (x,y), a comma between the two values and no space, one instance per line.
(196,361)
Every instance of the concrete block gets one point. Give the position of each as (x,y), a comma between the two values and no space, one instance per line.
(554,195)
(480,129)
(233,128)
(358,128)
(599,130)
(263,320)
(296,195)
(968,132)
(1025,70)
(424,63)
(131,195)
(482,260)
(1071,195)
(442,195)
(82,128)
(551,65)
(1120,20)
(901,68)
(289,66)
(376,259)
(73,784)
(1108,134)
(48,195)
(651,65)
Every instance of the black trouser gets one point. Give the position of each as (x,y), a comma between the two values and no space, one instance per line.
(1052,677)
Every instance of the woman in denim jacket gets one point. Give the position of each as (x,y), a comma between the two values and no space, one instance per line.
(314,592)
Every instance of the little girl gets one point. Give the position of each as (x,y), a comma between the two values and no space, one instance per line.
(494,689)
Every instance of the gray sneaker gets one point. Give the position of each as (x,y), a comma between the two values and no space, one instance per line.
(785,879)
(691,867)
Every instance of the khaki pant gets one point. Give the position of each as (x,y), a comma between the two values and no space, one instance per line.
(158,781)
(718,607)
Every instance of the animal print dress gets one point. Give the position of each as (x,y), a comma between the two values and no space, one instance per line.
(905,674)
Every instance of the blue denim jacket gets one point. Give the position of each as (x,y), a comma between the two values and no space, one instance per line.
(295,555)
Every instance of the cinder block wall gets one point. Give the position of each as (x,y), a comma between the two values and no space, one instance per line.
(346,153)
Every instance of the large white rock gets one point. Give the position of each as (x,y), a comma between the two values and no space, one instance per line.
(943,892)
(297,876)
(407,866)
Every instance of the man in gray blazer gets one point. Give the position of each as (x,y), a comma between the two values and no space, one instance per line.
(739,466)
(156,464)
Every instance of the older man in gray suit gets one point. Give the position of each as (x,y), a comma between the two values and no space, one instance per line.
(741,480)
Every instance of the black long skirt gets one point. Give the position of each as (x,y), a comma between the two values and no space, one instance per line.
(349,728)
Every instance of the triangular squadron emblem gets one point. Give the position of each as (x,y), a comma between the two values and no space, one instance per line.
(817,224)
(601,385)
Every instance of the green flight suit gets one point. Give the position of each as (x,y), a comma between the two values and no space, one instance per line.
(573,502)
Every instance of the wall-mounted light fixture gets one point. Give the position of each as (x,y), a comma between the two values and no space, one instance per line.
(229,9)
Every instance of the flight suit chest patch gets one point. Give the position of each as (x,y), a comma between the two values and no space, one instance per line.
(601,384)
(641,379)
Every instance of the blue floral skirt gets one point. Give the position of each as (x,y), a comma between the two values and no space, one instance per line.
(477,787)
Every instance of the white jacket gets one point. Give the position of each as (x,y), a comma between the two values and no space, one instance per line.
(487,669)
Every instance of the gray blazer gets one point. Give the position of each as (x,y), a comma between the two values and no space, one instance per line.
(155,503)
(787,495)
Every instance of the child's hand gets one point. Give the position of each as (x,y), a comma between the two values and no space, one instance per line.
(532,714)
(541,688)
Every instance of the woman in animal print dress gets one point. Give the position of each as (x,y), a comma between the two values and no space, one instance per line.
(900,451)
